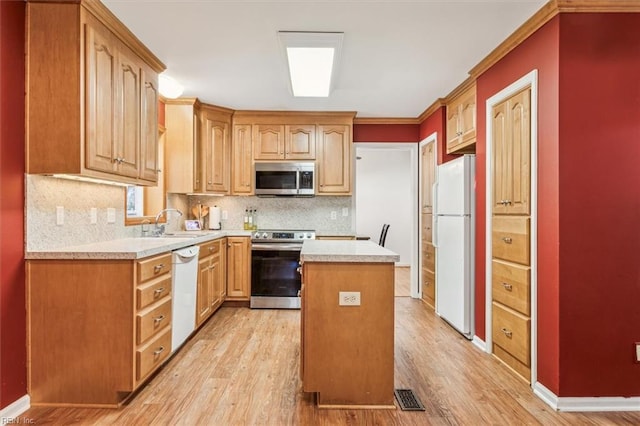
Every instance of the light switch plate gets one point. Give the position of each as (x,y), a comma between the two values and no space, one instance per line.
(334,215)
(345,211)
(349,298)
(111,215)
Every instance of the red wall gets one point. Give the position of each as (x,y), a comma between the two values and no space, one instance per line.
(599,204)
(12,290)
(385,133)
(539,51)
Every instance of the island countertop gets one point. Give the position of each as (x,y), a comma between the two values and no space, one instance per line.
(346,251)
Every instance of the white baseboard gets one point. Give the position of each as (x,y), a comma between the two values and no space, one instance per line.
(479,343)
(604,403)
(13,410)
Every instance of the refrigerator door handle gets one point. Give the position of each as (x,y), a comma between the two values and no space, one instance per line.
(434,220)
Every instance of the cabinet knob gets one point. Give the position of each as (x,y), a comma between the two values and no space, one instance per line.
(507,287)
(158,351)
(158,319)
(157,292)
(158,268)
(507,240)
(507,332)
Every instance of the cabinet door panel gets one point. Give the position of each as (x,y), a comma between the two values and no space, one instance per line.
(149,122)
(300,142)
(334,160)
(242,162)
(468,116)
(428,177)
(238,267)
(128,135)
(203,296)
(268,142)
(100,106)
(217,156)
(453,128)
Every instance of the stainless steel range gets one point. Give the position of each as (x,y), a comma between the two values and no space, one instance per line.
(275,259)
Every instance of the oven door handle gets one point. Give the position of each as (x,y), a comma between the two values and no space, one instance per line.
(281,247)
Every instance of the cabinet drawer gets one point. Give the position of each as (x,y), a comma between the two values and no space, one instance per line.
(511,331)
(153,319)
(152,267)
(510,239)
(510,285)
(429,256)
(428,284)
(152,354)
(153,291)
(207,249)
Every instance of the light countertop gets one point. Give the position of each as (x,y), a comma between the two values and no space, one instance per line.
(134,248)
(346,251)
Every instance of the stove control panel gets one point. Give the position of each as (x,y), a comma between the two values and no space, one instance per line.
(273,235)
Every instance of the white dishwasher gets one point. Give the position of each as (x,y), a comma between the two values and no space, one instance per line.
(184,288)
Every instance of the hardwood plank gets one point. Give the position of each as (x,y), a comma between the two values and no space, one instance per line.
(242,368)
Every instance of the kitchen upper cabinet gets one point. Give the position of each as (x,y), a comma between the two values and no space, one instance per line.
(334,160)
(511,155)
(461,121)
(238,268)
(241,160)
(91,95)
(284,141)
(428,173)
(198,147)
(183,146)
(217,150)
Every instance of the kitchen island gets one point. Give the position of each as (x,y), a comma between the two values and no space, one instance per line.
(347,323)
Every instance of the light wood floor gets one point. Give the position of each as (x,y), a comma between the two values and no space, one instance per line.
(242,369)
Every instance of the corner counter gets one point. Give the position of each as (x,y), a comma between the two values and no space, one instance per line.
(347,323)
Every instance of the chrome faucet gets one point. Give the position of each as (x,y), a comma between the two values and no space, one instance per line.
(159,230)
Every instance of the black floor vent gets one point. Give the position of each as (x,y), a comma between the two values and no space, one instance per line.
(408,400)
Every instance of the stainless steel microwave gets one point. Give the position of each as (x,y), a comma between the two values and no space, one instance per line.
(292,179)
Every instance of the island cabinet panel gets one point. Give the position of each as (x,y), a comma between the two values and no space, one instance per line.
(97,329)
(347,351)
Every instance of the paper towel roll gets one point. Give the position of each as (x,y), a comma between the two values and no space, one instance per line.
(214,217)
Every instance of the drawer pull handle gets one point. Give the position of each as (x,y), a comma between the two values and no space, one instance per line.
(427,283)
(507,240)
(158,268)
(210,248)
(158,291)
(299,291)
(158,319)
(507,333)
(158,351)
(507,287)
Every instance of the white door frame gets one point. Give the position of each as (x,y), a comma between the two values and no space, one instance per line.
(432,138)
(413,158)
(529,80)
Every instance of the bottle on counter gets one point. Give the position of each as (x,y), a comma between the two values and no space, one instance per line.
(254,218)
(246,219)
(250,226)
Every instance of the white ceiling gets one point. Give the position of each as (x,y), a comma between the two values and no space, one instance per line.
(398,57)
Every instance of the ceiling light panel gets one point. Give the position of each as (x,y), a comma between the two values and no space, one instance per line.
(311,59)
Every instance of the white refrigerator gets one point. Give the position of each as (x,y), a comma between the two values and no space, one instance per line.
(454,239)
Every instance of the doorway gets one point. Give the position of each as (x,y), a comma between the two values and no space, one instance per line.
(385,192)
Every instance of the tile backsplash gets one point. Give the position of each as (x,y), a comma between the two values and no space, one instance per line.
(44,194)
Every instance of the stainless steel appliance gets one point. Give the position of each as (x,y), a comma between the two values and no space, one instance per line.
(275,259)
(290,179)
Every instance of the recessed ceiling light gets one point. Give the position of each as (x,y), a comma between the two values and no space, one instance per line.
(312,59)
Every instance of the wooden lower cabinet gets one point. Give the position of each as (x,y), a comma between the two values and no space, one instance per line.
(347,351)
(97,329)
(238,268)
(212,276)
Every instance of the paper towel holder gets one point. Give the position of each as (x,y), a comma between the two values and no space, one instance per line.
(214,218)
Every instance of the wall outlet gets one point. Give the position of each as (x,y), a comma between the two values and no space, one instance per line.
(345,211)
(225,215)
(638,352)
(111,215)
(334,215)
(349,298)
(94,215)
(59,215)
